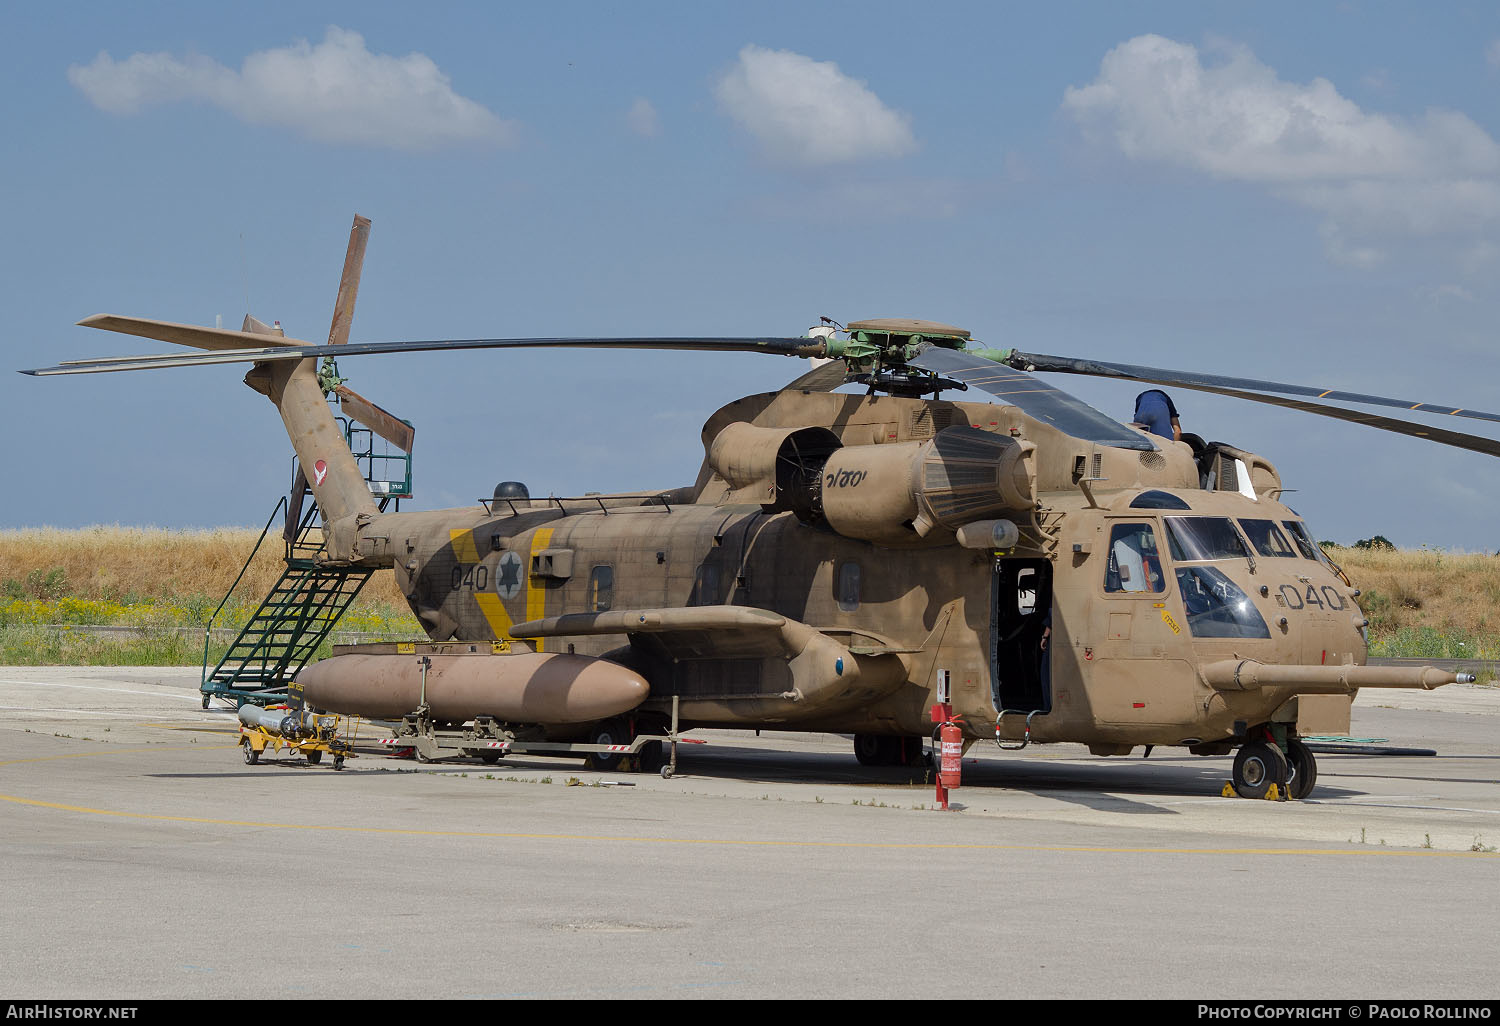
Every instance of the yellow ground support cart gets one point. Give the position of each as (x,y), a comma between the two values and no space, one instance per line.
(304,733)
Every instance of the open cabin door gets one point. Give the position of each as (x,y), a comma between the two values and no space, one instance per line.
(1021,614)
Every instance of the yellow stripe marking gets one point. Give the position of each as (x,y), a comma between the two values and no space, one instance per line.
(536,596)
(464,549)
(747,842)
(494,613)
(1322,394)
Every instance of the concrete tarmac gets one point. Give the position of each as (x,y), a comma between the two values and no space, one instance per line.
(144,859)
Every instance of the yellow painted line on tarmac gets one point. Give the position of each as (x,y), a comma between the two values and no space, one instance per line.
(730,842)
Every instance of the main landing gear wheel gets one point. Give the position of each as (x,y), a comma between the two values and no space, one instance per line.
(1301,769)
(872,749)
(610,732)
(884,750)
(1257,766)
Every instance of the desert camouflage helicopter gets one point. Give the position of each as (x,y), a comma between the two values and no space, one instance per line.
(843,561)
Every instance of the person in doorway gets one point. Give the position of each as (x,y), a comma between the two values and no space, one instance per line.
(1155,412)
(1044,662)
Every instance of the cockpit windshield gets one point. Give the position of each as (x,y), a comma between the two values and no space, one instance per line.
(1305,544)
(1267,538)
(1216,607)
(1204,538)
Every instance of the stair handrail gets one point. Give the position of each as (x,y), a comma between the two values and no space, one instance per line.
(209,628)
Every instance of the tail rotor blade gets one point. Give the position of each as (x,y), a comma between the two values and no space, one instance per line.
(354,261)
(384,423)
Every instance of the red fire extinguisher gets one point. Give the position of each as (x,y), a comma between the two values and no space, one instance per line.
(948,740)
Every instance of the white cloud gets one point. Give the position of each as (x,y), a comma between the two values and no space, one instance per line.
(336,91)
(808,112)
(642,120)
(1373,175)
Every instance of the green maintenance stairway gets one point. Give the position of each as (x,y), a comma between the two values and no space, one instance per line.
(307,601)
(294,618)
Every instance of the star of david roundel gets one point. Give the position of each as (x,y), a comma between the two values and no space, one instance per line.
(508,575)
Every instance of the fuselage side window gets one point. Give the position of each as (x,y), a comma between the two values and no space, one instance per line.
(846,586)
(601,588)
(1134,561)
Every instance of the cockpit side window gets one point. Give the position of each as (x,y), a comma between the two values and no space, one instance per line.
(1203,538)
(1267,538)
(1134,563)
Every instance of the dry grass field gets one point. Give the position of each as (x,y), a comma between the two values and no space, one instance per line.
(166,584)
(1420,603)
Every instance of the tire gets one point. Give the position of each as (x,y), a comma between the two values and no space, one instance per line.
(909,752)
(1301,769)
(338,762)
(609,732)
(651,758)
(251,755)
(876,749)
(489,756)
(1258,765)
(314,756)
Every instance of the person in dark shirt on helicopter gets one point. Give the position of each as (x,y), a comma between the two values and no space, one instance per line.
(1155,412)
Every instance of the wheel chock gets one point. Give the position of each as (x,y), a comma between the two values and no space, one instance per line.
(1273,793)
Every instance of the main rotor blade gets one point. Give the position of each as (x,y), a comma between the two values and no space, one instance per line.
(1035,398)
(1219,382)
(1457,439)
(805,347)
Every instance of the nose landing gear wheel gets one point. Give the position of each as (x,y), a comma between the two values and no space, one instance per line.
(1257,766)
(1301,769)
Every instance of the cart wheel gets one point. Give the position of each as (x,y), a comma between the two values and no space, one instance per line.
(314,756)
(251,755)
(489,756)
(205,701)
(651,757)
(666,772)
(338,762)
(610,732)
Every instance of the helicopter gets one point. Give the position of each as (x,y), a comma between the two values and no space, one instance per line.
(844,561)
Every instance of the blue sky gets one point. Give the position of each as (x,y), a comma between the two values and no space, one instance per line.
(1300,192)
